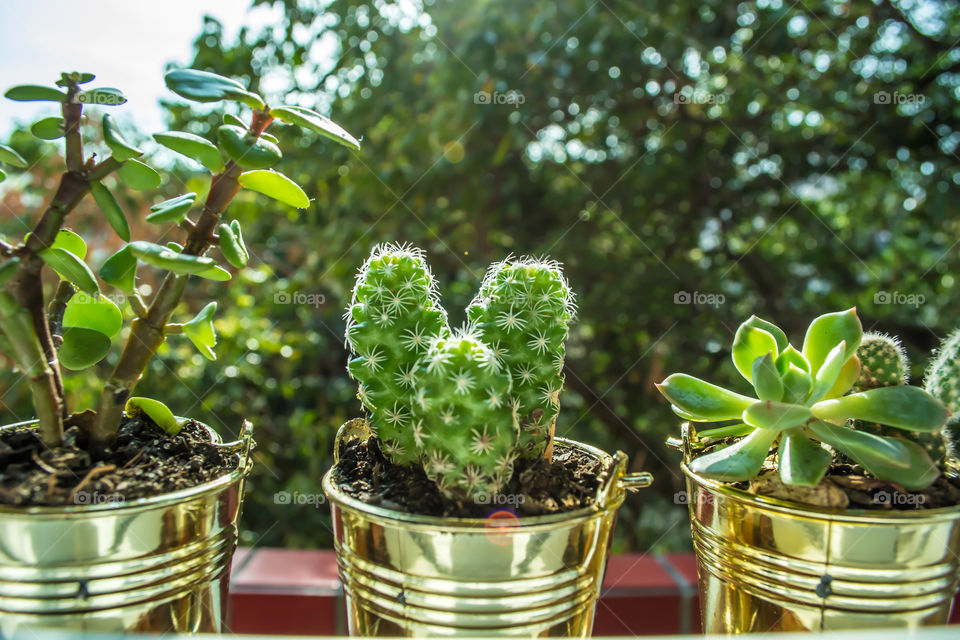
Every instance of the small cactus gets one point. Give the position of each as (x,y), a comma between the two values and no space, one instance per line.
(464,428)
(393,318)
(523,312)
(453,402)
(884,363)
(943,382)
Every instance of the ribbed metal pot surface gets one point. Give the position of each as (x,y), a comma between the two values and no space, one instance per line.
(109,565)
(770,565)
(412,575)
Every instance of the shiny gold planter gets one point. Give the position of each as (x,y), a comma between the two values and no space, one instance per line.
(151,564)
(409,575)
(770,565)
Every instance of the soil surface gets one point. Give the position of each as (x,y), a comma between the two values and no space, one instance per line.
(143,461)
(569,482)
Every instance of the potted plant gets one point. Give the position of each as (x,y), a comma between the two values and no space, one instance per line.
(124,517)
(825,499)
(455,508)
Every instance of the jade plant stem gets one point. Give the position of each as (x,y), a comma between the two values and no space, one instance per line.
(147,331)
(36,353)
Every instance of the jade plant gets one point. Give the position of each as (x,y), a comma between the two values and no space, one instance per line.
(807,405)
(76,326)
(463,404)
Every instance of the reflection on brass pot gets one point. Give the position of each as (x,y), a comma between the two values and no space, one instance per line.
(770,565)
(411,575)
(150,564)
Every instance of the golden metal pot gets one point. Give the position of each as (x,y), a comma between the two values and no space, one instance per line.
(770,565)
(410,575)
(151,564)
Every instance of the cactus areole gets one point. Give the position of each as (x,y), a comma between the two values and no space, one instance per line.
(464,404)
(843,393)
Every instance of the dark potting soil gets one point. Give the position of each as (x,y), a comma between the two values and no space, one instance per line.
(537,487)
(143,461)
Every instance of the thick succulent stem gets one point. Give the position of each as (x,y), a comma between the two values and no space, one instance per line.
(523,312)
(147,333)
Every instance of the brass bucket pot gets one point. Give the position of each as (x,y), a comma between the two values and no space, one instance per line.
(410,575)
(154,564)
(770,565)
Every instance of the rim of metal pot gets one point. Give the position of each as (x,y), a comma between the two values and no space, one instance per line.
(242,448)
(606,497)
(787,506)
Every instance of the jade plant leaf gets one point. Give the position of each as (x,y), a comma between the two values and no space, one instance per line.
(769,327)
(111,209)
(172,210)
(138,176)
(313,121)
(796,384)
(275,185)
(48,128)
(93,312)
(802,461)
(201,332)
(703,401)
(203,86)
(120,270)
(119,147)
(730,431)
(163,258)
(70,241)
(157,411)
(738,462)
(193,147)
(11,157)
(82,348)
(848,375)
(900,406)
(34,93)
(232,246)
(215,273)
(70,268)
(790,356)
(826,332)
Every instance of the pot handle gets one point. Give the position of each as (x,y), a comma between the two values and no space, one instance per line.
(636,481)
(686,442)
(617,480)
(244,445)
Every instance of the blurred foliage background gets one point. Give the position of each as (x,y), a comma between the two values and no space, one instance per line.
(690,163)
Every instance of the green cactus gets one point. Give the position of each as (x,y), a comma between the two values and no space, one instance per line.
(523,311)
(943,382)
(464,427)
(394,315)
(452,402)
(884,363)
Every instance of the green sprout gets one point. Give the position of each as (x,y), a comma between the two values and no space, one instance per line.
(463,404)
(77,327)
(801,408)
